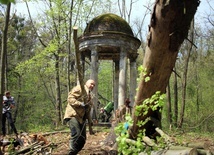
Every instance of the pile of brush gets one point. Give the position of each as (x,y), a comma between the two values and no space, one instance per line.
(26,144)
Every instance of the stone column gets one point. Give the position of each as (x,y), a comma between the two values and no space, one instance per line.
(83,65)
(122,78)
(133,79)
(116,84)
(94,76)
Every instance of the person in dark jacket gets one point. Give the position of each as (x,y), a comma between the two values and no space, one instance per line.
(75,113)
(8,104)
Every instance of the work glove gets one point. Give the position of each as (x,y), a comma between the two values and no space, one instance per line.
(82,104)
(86,106)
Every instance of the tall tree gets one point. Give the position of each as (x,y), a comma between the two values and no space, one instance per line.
(54,59)
(169,106)
(3,56)
(175,88)
(186,56)
(169,27)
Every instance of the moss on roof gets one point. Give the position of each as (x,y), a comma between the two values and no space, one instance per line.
(108,22)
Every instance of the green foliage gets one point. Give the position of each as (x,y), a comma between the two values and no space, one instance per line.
(7,1)
(199,88)
(43,61)
(122,133)
(31,69)
(154,103)
(143,73)
(31,72)
(105,81)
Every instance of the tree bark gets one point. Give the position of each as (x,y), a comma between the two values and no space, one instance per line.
(3,55)
(169,27)
(69,48)
(3,58)
(58,91)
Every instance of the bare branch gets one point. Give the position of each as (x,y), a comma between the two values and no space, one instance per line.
(33,25)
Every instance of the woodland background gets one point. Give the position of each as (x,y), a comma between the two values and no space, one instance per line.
(40,63)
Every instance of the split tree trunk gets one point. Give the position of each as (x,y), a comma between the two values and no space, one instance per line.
(169,27)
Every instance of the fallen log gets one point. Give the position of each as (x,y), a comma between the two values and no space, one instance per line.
(174,151)
(146,140)
(149,141)
(204,152)
(181,151)
(162,134)
(170,147)
(198,145)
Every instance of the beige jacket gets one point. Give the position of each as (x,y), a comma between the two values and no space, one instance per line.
(74,107)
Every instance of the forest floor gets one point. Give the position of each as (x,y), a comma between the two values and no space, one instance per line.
(95,144)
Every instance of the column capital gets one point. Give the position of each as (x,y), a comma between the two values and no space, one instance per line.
(94,48)
(133,57)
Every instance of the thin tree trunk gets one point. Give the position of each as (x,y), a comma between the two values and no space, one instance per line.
(2,60)
(197,93)
(3,56)
(69,48)
(57,87)
(169,27)
(175,99)
(17,100)
(169,106)
(184,83)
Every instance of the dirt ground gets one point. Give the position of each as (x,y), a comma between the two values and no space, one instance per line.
(96,144)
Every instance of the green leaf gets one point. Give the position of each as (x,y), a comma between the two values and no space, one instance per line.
(6,1)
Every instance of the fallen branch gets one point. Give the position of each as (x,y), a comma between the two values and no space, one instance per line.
(146,140)
(29,148)
(149,141)
(164,135)
(55,132)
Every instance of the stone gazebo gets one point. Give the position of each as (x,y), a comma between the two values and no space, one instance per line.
(109,37)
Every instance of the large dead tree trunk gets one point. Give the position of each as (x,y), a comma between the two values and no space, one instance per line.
(169,27)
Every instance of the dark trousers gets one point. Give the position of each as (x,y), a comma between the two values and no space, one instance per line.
(7,115)
(78,136)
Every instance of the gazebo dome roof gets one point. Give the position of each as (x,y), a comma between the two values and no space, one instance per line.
(109,23)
